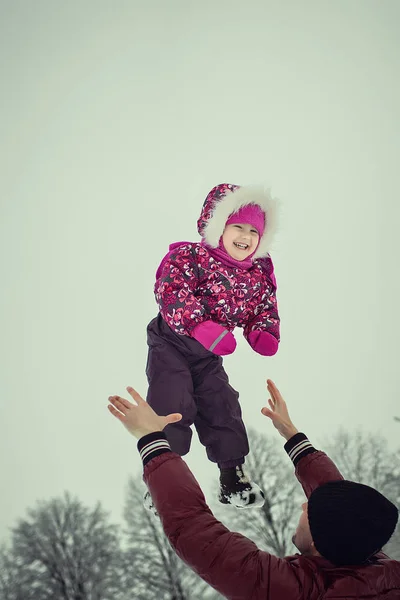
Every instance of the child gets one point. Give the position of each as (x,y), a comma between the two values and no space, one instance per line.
(204,290)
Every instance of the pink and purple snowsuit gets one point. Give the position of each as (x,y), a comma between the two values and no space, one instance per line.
(197,286)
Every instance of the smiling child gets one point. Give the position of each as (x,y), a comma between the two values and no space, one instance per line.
(204,290)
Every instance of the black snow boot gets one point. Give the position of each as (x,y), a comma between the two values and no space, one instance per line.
(237,489)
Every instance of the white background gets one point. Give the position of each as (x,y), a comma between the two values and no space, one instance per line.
(116,120)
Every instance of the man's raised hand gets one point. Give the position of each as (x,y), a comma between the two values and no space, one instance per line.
(278,412)
(139,418)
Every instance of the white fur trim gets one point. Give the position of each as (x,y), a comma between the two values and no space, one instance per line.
(231,203)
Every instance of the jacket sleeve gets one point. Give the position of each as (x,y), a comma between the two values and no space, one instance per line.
(175,291)
(315,470)
(229,562)
(265,316)
(312,467)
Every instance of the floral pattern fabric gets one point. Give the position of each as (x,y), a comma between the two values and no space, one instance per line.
(214,196)
(192,286)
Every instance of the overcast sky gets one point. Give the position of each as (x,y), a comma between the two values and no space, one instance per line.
(117,119)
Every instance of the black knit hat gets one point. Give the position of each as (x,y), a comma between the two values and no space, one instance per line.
(349,521)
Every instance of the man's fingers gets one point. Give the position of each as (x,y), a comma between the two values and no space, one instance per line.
(272,405)
(135,395)
(122,405)
(124,402)
(268,413)
(116,413)
(271,389)
(173,418)
(275,393)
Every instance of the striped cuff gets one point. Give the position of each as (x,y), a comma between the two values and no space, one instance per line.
(298,447)
(152,445)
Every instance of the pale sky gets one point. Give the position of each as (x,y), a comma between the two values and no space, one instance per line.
(117,119)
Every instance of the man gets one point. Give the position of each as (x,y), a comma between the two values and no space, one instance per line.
(340,533)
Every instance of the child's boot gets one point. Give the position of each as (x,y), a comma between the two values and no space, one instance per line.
(237,489)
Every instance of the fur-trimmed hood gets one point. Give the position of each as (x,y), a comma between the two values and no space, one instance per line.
(226,199)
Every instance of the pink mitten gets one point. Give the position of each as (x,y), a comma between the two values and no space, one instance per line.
(214,337)
(263,342)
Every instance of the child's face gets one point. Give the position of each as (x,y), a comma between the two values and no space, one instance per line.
(240,240)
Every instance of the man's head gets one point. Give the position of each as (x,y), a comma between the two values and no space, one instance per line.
(345,522)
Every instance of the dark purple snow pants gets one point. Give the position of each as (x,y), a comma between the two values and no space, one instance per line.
(184,377)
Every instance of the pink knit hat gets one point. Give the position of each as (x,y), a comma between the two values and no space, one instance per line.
(251,214)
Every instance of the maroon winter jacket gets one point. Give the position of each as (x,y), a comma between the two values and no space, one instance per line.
(231,563)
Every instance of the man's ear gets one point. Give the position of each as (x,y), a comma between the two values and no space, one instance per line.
(314,551)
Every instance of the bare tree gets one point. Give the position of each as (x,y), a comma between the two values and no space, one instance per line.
(67,551)
(365,457)
(12,586)
(152,568)
(272,526)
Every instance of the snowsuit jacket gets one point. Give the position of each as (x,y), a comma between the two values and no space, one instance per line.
(193,285)
(233,565)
